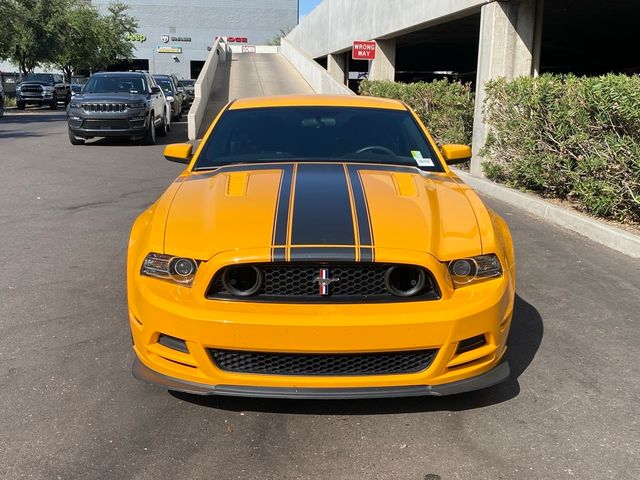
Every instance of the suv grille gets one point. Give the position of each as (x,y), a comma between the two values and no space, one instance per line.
(386,363)
(104,107)
(291,283)
(31,88)
(114,124)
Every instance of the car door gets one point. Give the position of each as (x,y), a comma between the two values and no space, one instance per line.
(157,98)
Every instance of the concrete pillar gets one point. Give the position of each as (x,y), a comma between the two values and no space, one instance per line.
(384,66)
(505,50)
(337,67)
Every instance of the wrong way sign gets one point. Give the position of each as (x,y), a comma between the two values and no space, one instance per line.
(363,50)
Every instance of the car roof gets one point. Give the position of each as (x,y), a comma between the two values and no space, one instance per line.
(317,101)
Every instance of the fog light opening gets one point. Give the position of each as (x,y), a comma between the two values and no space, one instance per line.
(243,281)
(405,281)
(173,343)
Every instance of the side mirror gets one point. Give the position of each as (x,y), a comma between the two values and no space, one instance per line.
(456,153)
(178,152)
(155,90)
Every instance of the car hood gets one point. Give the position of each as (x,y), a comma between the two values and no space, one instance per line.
(110,97)
(320,211)
(36,82)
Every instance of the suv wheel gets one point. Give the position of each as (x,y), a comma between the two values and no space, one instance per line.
(54,103)
(163,129)
(75,140)
(150,134)
(67,99)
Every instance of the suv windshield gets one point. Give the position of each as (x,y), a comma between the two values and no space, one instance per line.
(166,85)
(115,84)
(40,77)
(318,134)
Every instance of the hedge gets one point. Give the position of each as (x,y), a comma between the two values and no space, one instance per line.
(445,107)
(574,138)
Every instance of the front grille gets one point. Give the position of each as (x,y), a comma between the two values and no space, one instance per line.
(386,363)
(291,282)
(104,107)
(31,89)
(114,124)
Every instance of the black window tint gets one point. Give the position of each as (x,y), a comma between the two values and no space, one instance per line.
(318,134)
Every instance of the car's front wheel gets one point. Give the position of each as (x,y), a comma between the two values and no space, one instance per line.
(163,128)
(75,140)
(150,134)
(54,103)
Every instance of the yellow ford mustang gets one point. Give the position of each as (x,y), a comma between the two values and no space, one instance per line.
(319,247)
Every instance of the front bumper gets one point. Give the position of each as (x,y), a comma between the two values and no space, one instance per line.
(160,308)
(38,99)
(108,125)
(494,376)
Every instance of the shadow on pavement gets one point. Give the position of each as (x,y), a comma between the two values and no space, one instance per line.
(524,340)
(36,115)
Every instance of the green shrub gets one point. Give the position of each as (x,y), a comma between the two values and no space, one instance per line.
(568,137)
(446,108)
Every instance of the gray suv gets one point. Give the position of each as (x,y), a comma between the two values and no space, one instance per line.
(118,104)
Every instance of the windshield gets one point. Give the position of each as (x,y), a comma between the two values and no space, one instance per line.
(115,84)
(318,134)
(166,85)
(40,77)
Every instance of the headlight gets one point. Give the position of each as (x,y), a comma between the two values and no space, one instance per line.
(136,105)
(18,88)
(465,271)
(47,89)
(170,98)
(75,105)
(176,269)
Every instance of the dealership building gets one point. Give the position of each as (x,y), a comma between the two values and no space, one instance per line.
(175,37)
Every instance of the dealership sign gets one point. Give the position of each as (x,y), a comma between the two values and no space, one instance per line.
(363,50)
(169,49)
(136,37)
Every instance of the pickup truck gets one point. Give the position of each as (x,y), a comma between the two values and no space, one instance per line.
(43,89)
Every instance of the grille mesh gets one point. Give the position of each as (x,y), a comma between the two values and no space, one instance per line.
(386,363)
(104,107)
(297,282)
(114,123)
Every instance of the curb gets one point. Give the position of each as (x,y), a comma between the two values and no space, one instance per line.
(612,237)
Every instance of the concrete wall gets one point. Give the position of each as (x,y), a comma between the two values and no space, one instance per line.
(316,76)
(203,20)
(335,24)
(203,87)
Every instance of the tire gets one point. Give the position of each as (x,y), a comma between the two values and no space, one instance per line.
(54,103)
(75,140)
(67,99)
(163,129)
(150,134)
(21,105)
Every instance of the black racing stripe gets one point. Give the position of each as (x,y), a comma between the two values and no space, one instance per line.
(321,206)
(362,212)
(279,254)
(282,207)
(335,254)
(366,254)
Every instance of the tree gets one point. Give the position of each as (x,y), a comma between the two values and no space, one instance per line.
(32,30)
(80,41)
(114,31)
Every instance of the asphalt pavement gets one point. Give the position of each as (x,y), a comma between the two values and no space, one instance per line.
(70,409)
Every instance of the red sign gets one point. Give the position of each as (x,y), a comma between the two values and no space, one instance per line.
(363,50)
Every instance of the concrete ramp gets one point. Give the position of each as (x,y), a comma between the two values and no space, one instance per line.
(252,75)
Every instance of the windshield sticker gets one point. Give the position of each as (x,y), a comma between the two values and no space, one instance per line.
(420,160)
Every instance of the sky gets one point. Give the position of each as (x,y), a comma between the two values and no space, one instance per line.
(306,6)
